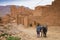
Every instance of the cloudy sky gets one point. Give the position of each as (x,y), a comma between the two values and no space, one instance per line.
(28,3)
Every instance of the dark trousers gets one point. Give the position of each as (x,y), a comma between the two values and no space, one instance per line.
(44,34)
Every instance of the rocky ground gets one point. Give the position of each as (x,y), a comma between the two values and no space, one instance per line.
(30,33)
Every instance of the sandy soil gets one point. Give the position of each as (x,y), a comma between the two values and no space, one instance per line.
(30,33)
(53,33)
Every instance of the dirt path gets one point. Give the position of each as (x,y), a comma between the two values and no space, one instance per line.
(53,33)
(30,33)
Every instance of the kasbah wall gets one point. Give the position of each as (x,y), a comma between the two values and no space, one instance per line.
(49,14)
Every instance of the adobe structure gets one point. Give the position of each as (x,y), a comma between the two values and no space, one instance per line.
(48,14)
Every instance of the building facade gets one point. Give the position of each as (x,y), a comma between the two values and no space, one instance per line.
(48,14)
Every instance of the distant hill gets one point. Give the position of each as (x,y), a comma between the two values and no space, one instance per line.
(4,10)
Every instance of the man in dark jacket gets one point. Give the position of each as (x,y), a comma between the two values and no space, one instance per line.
(44,28)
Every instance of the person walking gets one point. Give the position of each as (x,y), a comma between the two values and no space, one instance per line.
(38,30)
(44,28)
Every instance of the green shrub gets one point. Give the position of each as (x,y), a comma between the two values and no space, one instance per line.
(3,34)
(13,38)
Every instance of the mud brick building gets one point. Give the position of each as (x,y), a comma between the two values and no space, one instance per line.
(49,14)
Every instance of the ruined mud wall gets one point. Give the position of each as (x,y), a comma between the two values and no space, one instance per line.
(51,14)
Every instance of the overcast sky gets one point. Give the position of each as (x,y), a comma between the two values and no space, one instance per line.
(28,3)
